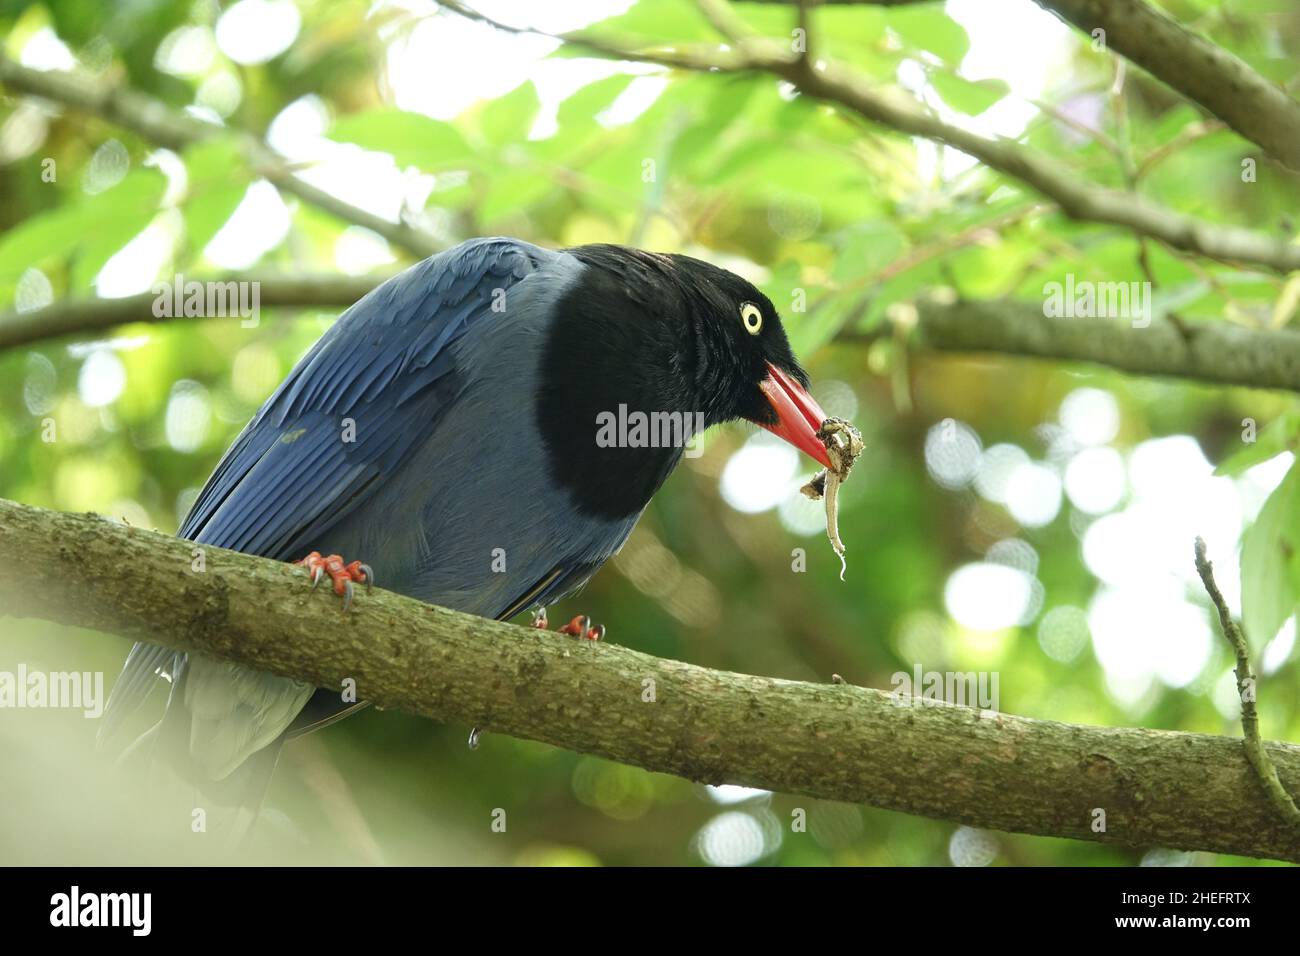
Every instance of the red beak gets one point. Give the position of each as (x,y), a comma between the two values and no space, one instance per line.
(797,416)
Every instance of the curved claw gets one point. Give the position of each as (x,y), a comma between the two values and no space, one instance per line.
(342,575)
(581,626)
(576,627)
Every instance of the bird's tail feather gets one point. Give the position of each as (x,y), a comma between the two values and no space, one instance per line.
(218,814)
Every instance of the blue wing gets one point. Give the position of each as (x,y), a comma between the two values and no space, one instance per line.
(355,406)
(351,411)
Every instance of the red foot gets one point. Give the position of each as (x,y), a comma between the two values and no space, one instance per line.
(580,626)
(341,574)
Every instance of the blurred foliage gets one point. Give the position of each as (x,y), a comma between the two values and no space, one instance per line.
(820,209)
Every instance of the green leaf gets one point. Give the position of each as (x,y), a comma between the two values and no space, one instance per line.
(903,287)
(930,29)
(619,168)
(211,160)
(972,97)
(207,211)
(1269,565)
(816,327)
(412,139)
(985,270)
(217,186)
(513,192)
(857,26)
(867,249)
(1168,125)
(576,120)
(712,126)
(579,110)
(811,320)
(665,21)
(121,214)
(1279,435)
(94,227)
(507,119)
(42,237)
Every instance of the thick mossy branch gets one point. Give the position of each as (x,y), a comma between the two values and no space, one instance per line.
(831,741)
(1212,352)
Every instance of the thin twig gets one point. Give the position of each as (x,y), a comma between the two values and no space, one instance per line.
(1255,752)
(1185,137)
(725,20)
(1128,170)
(1065,119)
(944,245)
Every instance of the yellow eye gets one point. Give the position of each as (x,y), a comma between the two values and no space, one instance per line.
(752,317)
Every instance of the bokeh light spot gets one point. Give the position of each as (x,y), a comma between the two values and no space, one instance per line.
(102,378)
(987,597)
(1090,415)
(952,453)
(254,31)
(1063,633)
(759,476)
(970,847)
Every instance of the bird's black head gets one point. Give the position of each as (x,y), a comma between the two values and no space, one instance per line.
(669,343)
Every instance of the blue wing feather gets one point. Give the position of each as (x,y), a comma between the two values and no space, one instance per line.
(289,476)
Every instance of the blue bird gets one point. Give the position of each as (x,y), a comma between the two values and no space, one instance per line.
(453,411)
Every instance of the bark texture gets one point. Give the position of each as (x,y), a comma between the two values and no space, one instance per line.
(832,741)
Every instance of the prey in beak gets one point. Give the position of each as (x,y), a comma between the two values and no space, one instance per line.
(798,416)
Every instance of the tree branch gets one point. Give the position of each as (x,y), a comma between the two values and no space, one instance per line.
(840,84)
(93,317)
(1207,74)
(831,741)
(155,121)
(1254,744)
(1077,198)
(1215,352)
